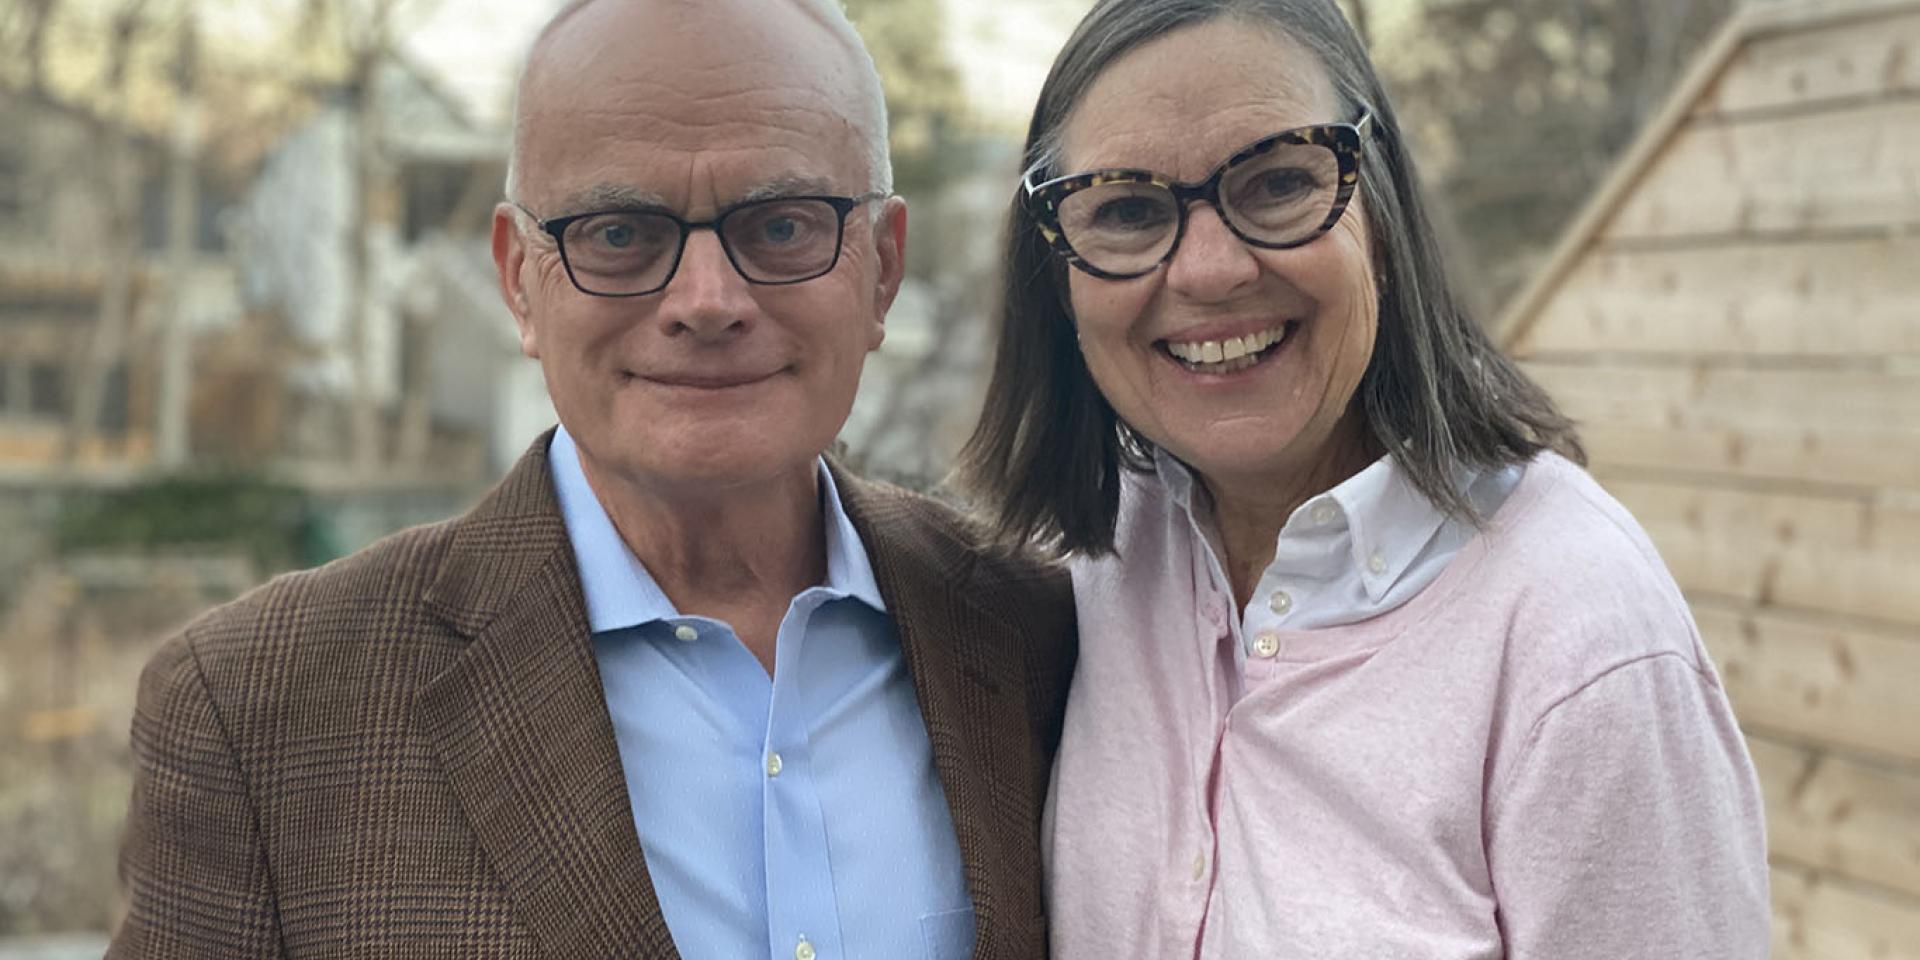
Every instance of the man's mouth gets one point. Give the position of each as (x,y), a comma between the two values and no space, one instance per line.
(702,381)
(1231,355)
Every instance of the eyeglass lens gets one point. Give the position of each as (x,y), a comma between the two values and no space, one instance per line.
(775,241)
(1277,198)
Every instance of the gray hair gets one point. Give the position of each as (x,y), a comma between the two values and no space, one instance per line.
(869,113)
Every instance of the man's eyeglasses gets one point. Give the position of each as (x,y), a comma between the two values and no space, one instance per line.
(632,253)
(1279,192)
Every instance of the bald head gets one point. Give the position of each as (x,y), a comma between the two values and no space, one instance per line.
(589,43)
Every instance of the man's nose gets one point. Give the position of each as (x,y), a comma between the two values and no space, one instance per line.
(707,298)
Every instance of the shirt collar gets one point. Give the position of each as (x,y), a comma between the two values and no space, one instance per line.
(618,590)
(1175,478)
(849,569)
(1386,516)
(1389,522)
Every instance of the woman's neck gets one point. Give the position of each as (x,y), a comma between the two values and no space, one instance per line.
(1250,511)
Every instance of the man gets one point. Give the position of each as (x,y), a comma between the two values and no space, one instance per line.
(675,688)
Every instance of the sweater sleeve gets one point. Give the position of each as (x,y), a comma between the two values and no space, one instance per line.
(1631,826)
(192,864)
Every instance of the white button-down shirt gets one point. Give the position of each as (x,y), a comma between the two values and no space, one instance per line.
(1355,552)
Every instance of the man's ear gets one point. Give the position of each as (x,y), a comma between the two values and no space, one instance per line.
(509,257)
(890,245)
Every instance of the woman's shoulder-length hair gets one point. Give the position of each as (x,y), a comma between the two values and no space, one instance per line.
(1046,458)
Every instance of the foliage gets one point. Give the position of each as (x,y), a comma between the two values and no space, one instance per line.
(277,526)
(1525,104)
(925,98)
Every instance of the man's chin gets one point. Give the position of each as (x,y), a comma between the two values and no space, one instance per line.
(699,468)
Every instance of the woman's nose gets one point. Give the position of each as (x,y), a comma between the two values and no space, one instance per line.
(1211,263)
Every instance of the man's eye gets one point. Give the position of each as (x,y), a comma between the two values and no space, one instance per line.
(618,236)
(780,230)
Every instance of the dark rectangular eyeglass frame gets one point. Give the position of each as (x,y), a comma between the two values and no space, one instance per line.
(557,229)
(1343,139)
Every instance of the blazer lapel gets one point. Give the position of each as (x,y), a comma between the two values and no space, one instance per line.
(968,672)
(520,725)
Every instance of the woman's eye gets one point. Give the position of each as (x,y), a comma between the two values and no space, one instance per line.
(1286,184)
(1132,212)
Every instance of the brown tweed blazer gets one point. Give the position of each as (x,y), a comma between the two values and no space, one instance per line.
(407,753)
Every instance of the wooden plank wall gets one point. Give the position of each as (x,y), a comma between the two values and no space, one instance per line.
(1741,344)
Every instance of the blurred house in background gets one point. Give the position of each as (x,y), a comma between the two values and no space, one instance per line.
(391,244)
(319,307)
(268,291)
(1735,322)
(90,274)
(225,351)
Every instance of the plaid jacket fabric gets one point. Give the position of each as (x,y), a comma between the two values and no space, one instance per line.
(407,753)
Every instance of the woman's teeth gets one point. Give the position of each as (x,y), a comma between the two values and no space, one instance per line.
(1226,356)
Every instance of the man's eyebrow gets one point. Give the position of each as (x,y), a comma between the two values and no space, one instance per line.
(789,186)
(611,196)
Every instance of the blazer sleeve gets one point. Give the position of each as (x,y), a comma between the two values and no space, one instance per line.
(192,865)
(1632,825)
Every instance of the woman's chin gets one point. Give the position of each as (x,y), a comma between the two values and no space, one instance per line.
(1259,449)
(1275,445)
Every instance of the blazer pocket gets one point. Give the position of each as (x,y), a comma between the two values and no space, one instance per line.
(947,935)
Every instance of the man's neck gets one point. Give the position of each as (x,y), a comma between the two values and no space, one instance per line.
(737,554)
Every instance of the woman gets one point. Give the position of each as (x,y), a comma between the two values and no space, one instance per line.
(1369,666)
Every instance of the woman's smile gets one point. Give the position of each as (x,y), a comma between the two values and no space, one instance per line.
(1216,359)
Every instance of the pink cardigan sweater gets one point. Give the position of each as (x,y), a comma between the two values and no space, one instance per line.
(1532,758)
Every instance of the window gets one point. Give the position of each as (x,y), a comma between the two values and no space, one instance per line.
(113,405)
(46,390)
(13,185)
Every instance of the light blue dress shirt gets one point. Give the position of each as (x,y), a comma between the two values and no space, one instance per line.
(790,817)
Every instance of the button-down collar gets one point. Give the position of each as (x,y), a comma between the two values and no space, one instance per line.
(619,591)
(1387,522)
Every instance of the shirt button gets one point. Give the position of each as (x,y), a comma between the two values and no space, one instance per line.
(1266,646)
(1377,563)
(1199,865)
(1323,513)
(686,633)
(774,765)
(1280,602)
(804,951)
